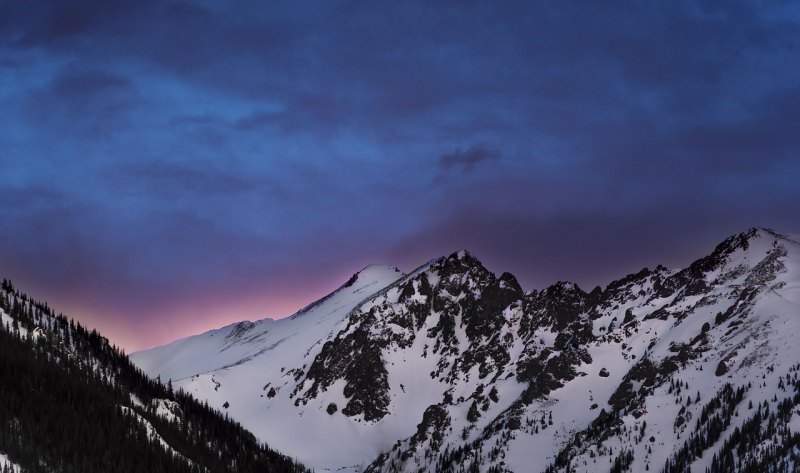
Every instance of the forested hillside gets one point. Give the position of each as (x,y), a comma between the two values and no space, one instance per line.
(71,402)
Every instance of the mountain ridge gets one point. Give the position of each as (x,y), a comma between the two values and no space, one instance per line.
(443,364)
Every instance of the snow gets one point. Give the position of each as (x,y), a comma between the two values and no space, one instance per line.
(794,423)
(167,409)
(213,367)
(136,402)
(240,364)
(151,431)
(7,319)
(4,462)
(764,339)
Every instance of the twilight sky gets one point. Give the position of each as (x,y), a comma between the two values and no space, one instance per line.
(169,167)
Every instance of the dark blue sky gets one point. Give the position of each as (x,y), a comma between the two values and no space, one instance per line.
(167,167)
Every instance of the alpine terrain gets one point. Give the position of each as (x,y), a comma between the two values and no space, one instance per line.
(72,402)
(452,368)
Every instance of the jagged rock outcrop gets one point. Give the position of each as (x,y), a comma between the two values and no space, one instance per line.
(453,368)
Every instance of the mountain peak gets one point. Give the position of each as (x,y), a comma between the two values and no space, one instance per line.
(461,261)
(743,239)
(472,362)
(772,234)
(762,238)
(372,272)
(463,257)
(371,277)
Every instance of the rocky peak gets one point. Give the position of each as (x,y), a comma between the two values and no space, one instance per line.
(459,262)
(564,289)
(633,278)
(478,363)
(557,305)
(508,281)
(736,254)
(755,239)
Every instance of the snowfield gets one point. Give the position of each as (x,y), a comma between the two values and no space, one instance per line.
(241,364)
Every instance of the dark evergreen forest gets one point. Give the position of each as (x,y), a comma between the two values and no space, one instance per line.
(71,402)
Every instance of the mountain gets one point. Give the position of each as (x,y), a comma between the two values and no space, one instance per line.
(452,368)
(72,402)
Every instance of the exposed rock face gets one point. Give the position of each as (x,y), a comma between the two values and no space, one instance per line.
(502,380)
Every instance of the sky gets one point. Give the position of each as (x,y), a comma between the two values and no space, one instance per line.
(171,167)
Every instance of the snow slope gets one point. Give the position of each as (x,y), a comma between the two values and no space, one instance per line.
(452,367)
(243,363)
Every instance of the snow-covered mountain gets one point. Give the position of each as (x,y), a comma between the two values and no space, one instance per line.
(451,368)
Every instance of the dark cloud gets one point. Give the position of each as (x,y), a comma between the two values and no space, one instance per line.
(158,152)
(86,83)
(56,24)
(169,178)
(467,159)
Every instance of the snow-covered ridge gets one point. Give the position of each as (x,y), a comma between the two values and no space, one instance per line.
(242,342)
(452,365)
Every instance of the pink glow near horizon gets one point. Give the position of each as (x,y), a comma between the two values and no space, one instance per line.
(155,323)
(255,159)
(137,315)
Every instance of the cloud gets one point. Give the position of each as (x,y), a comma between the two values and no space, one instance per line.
(81,84)
(467,159)
(197,179)
(239,142)
(57,24)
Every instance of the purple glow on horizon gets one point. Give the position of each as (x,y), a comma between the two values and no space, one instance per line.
(169,167)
